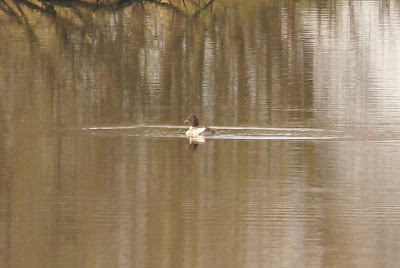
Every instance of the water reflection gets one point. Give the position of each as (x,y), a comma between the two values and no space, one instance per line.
(96,168)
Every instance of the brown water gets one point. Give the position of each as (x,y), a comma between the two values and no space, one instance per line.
(96,171)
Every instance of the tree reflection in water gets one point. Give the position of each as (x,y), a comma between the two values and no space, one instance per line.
(16,10)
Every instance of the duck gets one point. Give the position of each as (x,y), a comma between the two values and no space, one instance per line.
(194,130)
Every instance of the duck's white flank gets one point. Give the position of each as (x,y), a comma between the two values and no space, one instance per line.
(198,131)
(194,129)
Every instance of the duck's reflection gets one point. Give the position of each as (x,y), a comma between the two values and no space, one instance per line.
(198,140)
(194,142)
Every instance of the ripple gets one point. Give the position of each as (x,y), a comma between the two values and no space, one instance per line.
(223,132)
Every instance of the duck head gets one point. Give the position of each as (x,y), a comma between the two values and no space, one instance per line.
(192,120)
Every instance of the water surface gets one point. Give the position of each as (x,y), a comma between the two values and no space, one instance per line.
(96,170)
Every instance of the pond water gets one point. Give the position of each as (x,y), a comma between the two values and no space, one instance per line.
(303,171)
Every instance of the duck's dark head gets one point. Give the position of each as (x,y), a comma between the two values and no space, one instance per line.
(192,120)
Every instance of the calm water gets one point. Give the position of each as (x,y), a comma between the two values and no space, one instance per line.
(95,169)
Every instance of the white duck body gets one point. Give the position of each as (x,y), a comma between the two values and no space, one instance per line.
(199,131)
(194,129)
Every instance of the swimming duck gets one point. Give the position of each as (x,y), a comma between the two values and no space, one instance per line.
(194,129)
